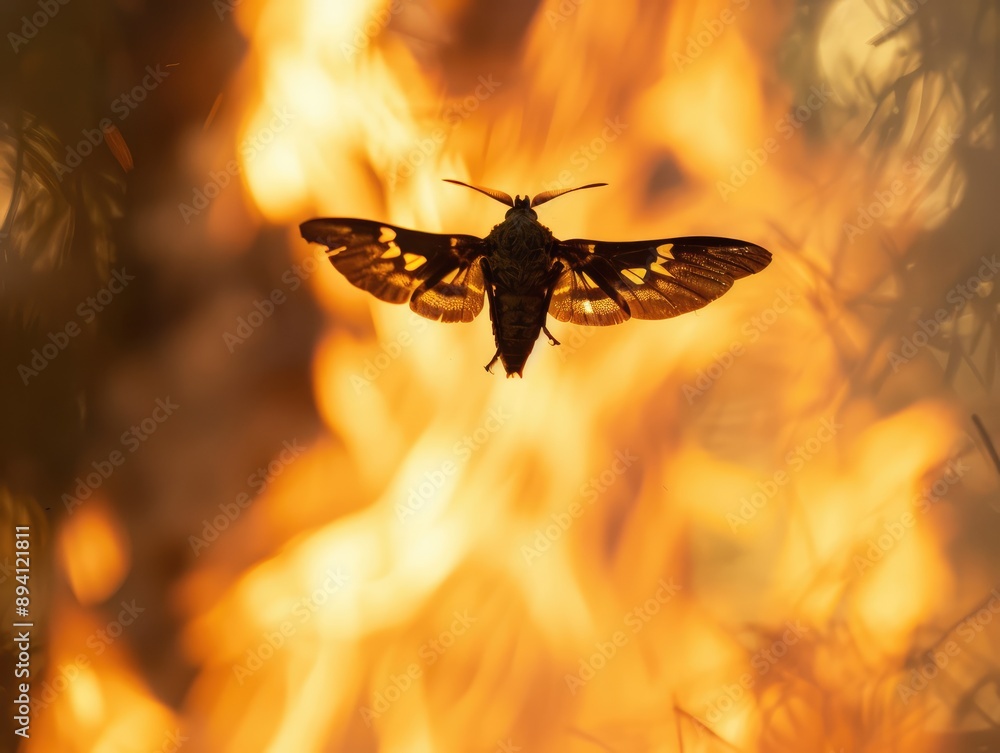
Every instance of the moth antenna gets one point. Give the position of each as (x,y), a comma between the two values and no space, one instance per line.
(491,192)
(549,195)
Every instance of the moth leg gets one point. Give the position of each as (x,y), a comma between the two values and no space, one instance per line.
(557,269)
(491,299)
(489,366)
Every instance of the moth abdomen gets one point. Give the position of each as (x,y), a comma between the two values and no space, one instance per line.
(519,321)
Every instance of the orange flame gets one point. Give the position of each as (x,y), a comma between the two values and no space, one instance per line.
(670,535)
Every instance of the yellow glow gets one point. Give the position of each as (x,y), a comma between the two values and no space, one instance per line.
(727,113)
(902,588)
(466,545)
(95,552)
(86,698)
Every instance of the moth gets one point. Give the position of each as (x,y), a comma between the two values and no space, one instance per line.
(526,273)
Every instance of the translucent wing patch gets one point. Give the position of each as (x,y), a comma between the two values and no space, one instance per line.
(607,283)
(457,297)
(439,275)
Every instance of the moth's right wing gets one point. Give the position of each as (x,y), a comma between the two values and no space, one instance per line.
(609,282)
(440,275)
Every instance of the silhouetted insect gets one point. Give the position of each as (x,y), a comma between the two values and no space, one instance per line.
(526,273)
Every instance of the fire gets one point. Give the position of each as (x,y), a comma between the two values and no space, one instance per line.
(95,553)
(93,698)
(682,535)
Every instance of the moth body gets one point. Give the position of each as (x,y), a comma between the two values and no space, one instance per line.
(518,266)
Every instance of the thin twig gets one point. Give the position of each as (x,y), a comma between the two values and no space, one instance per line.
(990,447)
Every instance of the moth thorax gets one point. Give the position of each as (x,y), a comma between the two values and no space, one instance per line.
(520,253)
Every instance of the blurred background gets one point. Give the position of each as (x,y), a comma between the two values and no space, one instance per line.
(270,513)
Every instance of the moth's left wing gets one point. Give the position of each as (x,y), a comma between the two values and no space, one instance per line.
(440,275)
(607,283)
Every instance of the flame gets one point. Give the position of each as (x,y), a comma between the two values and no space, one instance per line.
(95,552)
(92,697)
(671,531)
